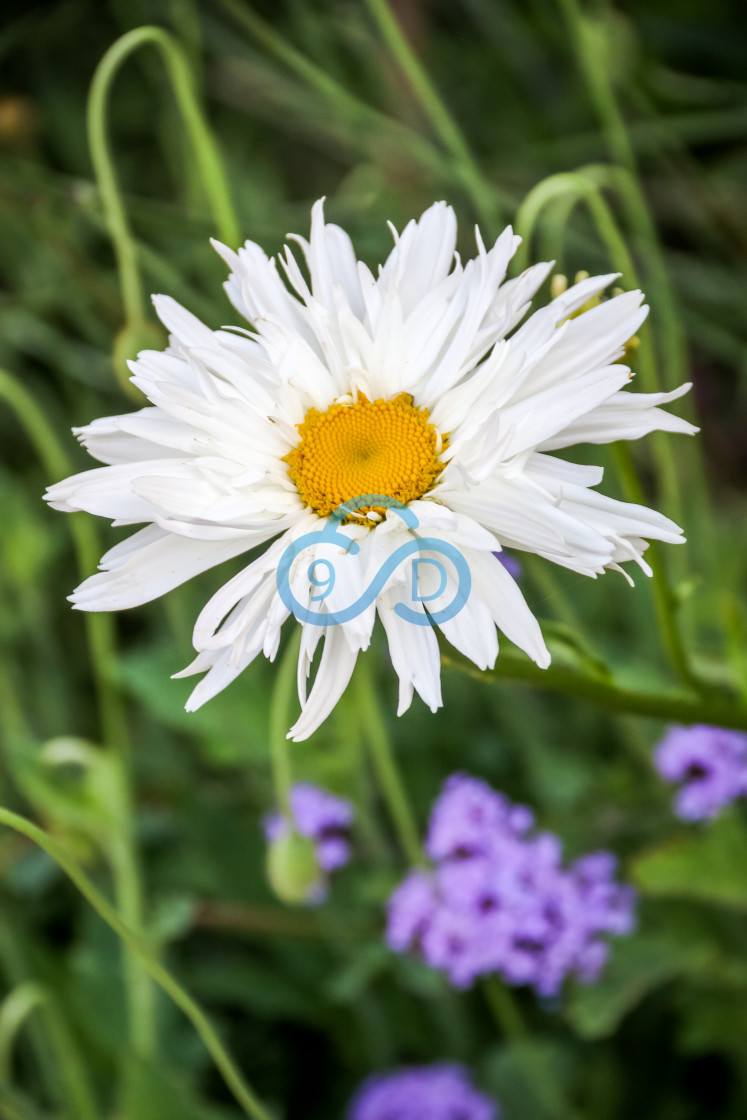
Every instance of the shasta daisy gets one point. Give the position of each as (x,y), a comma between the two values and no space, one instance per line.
(418,383)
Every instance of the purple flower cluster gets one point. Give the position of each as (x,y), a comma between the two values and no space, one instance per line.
(710,762)
(324,819)
(440,1092)
(499,900)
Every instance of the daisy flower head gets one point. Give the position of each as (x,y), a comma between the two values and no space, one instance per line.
(424,386)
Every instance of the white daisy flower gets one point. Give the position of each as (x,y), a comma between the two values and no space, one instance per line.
(417,384)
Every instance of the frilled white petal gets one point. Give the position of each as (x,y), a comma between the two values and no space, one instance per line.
(507,605)
(624,416)
(332,678)
(413,650)
(422,257)
(146,566)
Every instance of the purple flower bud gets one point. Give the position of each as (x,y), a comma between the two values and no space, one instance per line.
(438,1092)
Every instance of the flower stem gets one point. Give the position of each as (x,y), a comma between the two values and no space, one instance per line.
(205,149)
(507,1014)
(585,185)
(664,599)
(483,195)
(679,707)
(139,948)
(375,733)
(280,705)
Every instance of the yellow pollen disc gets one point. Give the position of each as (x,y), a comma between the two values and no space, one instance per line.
(370,447)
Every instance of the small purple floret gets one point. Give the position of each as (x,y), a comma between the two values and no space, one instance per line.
(439,1092)
(711,764)
(498,899)
(510,563)
(325,819)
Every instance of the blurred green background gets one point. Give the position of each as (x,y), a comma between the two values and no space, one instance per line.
(305,99)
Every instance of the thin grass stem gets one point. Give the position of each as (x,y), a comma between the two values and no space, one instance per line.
(280,706)
(483,195)
(392,786)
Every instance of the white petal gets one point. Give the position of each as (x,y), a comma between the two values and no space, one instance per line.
(423,255)
(492,582)
(624,416)
(146,566)
(413,651)
(332,678)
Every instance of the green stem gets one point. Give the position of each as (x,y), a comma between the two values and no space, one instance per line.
(510,1022)
(102,653)
(664,600)
(505,1010)
(679,707)
(205,149)
(583,185)
(382,756)
(484,197)
(280,705)
(139,948)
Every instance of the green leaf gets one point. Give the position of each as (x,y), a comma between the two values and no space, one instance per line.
(638,965)
(232,729)
(707,864)
(530,1083)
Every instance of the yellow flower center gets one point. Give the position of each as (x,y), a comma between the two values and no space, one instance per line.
(369,447)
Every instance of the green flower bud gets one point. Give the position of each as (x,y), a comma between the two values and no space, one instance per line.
(127,345)
(292,868)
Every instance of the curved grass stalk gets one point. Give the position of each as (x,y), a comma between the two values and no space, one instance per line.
(595,71)
(139,948)
(206,152)
(16,1008)
(584,186)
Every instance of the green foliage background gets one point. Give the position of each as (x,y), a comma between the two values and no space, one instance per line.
(305,99)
